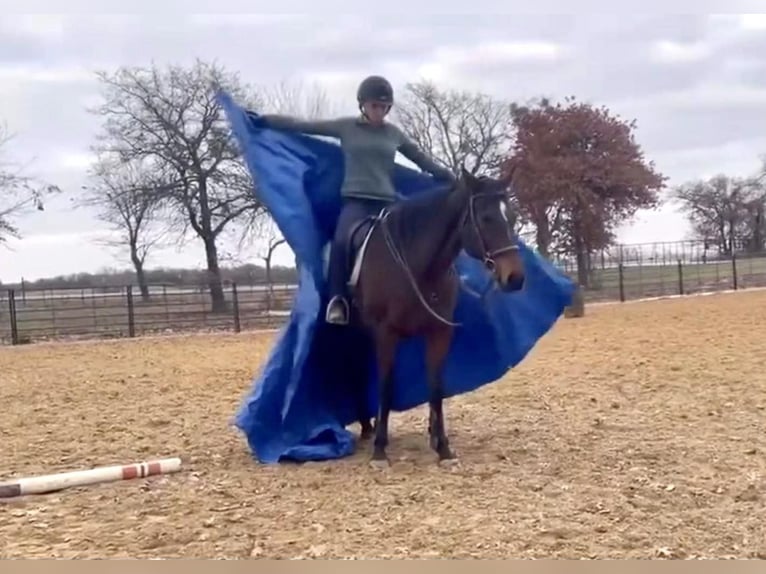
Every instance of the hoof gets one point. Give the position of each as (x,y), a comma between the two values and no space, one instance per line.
(379,463)
(449,462)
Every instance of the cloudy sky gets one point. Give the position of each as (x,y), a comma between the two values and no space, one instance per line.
(695,83)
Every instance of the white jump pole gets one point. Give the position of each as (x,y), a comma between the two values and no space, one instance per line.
(59,481)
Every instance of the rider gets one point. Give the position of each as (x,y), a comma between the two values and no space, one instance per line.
(369,145)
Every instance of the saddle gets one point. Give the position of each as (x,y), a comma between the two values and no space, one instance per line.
(356,246)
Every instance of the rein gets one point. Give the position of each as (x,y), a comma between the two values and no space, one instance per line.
(489,256)
(397,255)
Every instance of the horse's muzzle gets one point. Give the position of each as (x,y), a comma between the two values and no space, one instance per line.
(509,273)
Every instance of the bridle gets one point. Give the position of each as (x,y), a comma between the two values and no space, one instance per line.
(487,254)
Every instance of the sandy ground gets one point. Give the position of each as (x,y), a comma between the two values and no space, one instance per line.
(635,432)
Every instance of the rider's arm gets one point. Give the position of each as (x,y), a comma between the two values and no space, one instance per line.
(412,152)
(330,128)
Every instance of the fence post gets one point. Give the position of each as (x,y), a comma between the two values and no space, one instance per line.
(734,270)
(680,277)
(14,318)
(621,279)
(235,307)
(131,312)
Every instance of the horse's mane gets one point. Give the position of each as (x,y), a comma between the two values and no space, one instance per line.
(413,214)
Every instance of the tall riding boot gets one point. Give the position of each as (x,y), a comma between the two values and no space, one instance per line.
(337,311)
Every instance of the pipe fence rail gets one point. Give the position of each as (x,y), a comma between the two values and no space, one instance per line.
(33,315)
(29,315)
(637,278)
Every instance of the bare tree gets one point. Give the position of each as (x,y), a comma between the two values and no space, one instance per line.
(298,99)
(258,233)
(729,211)
(754,232)
(757,209)
(129,198)
(457,127)
(171,120)
(271,239)
(19,193)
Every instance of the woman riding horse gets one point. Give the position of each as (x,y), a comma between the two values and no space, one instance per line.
(369,144)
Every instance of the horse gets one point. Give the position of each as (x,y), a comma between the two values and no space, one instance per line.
(404,283)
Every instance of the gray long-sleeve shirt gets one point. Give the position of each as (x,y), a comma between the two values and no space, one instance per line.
(368,152)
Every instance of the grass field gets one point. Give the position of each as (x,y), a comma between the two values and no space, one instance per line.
(634,432)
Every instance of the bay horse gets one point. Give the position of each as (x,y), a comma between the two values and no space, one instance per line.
(404,283)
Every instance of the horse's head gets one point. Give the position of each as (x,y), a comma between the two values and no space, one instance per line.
(488,233)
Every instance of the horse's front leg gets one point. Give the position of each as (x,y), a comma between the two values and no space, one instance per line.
(385,342)
(359,353)
(437,346)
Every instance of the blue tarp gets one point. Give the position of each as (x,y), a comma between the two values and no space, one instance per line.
(303,398)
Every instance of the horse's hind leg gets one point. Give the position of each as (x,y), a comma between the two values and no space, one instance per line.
(437,347)
(365,422)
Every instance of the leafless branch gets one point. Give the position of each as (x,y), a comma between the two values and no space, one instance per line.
(298,99)
(457,127)
(19,193)
(170,122)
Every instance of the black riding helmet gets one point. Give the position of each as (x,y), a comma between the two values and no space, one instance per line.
(377,89)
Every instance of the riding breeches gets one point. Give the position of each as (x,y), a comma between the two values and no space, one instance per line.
(353,211)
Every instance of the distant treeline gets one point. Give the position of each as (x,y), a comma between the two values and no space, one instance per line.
(242,275)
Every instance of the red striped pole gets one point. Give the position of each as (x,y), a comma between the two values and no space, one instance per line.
(52,482)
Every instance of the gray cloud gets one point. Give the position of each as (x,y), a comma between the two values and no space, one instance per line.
(696,84)
(20,48)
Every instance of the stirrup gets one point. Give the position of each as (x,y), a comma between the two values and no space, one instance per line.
(337,311)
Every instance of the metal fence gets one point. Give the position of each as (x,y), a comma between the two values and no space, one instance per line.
(626,282)
(32,315)
(659,269)
(29,315)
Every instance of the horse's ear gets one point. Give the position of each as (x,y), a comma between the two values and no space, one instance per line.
(469,179)
(506,179)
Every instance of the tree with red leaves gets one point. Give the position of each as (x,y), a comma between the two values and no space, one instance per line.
(579,173)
